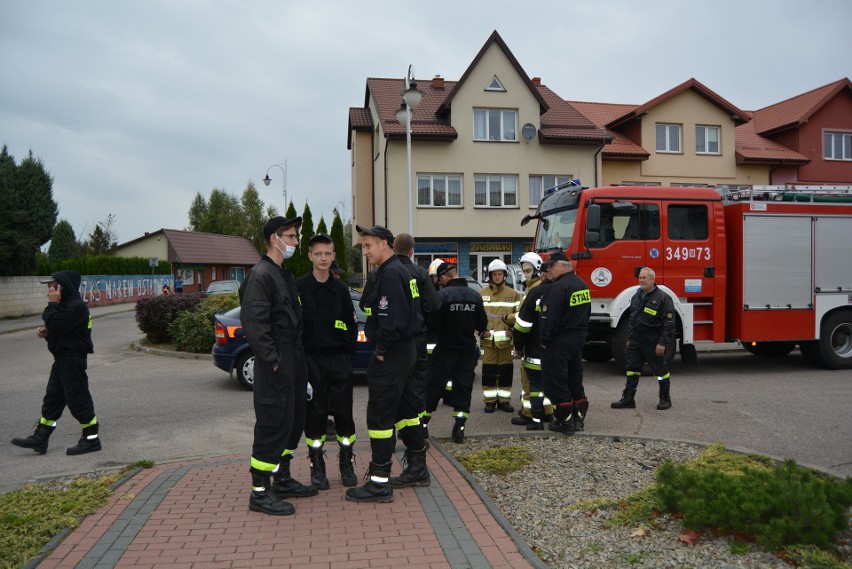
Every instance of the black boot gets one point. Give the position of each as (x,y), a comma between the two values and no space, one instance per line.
(627,400)
(458,431)
(536,422)
(506,406)
(563,421)
(377,488)
(581,407)
(286,487)
(347,470)
(521,420)
(89,442)
(415,473)
(264,501)
(318,477)
(36,441)
(490,407)
(665,397)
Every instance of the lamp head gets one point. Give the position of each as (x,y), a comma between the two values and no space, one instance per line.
(267,180)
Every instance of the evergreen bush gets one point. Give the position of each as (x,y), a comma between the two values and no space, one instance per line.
(192,330)
(779,506)
(154,314)
(103,265)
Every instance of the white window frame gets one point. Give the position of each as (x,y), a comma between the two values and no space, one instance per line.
(502,136)
(446,178)
(829,141)
(668,138)
(502,179)
(557,179)
(706,136)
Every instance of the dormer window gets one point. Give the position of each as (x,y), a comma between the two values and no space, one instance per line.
(495,125)
(495,85)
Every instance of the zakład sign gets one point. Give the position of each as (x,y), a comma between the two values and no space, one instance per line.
(488,247)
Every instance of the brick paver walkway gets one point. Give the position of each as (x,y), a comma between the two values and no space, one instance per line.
(195,514)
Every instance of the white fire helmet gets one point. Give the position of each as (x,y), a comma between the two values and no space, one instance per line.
(497,265)
(433,267)
(533,259)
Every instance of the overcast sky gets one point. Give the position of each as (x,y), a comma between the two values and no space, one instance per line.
(136,106)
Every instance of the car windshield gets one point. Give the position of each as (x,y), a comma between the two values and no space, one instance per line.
(555,230)
(360,315)
(228,286)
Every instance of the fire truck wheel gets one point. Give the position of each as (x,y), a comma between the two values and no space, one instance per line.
(810,350)
(770,349)
(597,353)
(835,343)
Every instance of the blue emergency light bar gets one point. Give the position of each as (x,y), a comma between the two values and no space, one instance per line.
(570,183)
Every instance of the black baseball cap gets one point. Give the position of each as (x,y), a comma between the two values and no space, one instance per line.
(276,222)
(320,238)
(444,268)
(557,256)
(377,231)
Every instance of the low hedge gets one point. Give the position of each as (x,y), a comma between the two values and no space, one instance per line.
(192,330)
(154,314)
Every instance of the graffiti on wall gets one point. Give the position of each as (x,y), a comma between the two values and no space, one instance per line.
(101,290)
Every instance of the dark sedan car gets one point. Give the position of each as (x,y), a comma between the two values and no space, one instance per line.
(231,351)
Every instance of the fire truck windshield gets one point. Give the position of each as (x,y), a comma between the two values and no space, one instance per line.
(556,230)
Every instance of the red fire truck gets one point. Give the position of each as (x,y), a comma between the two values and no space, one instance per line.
(770,267)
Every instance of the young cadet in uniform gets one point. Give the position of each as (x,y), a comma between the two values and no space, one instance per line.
(68,331)
(651,330)
(430,338)
(272,320)
(462,313)
(531,267)
(501,302)
(403,247)
(527,340)
(394,319)
(565,310)
(330,332)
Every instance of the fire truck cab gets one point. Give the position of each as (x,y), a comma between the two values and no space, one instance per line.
(760,267)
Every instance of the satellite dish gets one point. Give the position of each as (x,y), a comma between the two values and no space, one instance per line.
(528,131)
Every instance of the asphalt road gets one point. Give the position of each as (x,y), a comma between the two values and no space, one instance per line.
(163,408)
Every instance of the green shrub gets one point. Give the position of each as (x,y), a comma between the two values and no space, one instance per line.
(192,330)
(154,314)
(104,265)
(779,506)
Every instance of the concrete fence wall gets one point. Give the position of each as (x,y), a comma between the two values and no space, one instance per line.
(24,296)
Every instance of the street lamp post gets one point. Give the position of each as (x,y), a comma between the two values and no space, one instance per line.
(267,180)
(410,99)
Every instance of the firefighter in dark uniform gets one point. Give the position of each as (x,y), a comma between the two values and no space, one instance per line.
(272,320)
(68,331)
(330,332)
(651,330)
(527,340)
(403,247)
(565,310)
(456,353)
(394,320)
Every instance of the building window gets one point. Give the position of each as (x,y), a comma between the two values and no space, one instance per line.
(838,146)
(495,125)
(439,190)
(668,137)
(495,191)
(238,273)
(707,139)
(540,183)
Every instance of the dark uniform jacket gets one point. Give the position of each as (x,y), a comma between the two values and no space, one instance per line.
(565,308)
(269,310)
(462,312)
(392,304)
(68,323)
(330,326)
(430,302)
(652,317)
(527,336)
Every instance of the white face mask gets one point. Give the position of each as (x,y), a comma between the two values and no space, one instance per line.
(288,250)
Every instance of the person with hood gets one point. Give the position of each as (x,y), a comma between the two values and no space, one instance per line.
(68,331)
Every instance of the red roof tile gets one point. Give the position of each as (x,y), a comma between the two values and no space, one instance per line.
(210,248)
(564,122)
(796,110)
(604,113)
(738,115)
(753,148)
(425,124)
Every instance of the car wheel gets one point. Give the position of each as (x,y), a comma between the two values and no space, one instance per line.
(245,370)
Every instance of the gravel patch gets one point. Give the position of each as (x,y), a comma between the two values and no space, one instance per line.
(567,470)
